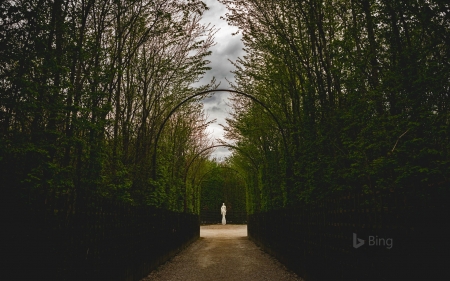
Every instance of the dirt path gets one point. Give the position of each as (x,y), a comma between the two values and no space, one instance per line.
(223,252)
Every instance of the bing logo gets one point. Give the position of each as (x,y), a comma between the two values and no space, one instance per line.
(373,241)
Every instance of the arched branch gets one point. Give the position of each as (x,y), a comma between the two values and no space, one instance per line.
(280,128)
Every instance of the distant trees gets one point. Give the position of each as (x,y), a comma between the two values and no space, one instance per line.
(362,90)
(84,85)
(222,184)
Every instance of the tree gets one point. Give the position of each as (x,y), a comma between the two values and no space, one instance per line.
(84,86)
(356,88)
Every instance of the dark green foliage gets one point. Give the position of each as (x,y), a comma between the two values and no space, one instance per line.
(84,86)
(221,184)
(361,89)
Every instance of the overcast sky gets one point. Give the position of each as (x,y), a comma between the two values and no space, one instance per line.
(227,47)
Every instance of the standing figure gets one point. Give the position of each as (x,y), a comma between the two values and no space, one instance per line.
(223,211)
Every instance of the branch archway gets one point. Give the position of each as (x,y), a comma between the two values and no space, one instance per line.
(221,167)
(214,146)
(280,128)
(202,151)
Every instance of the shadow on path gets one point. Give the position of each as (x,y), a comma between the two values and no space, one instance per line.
(223,252)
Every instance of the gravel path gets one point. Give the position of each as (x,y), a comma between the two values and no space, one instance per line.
(223,252)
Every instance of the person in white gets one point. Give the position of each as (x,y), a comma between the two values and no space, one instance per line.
(223,211)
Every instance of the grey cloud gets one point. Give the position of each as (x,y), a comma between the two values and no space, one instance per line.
(231,49)
(216,109)
(221,152)
(227,47)
(214,8)
(215,98)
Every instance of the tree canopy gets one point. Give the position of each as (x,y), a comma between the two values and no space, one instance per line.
(361,89)
(84,86)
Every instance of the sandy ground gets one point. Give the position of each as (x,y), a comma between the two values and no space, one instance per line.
(223,252)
